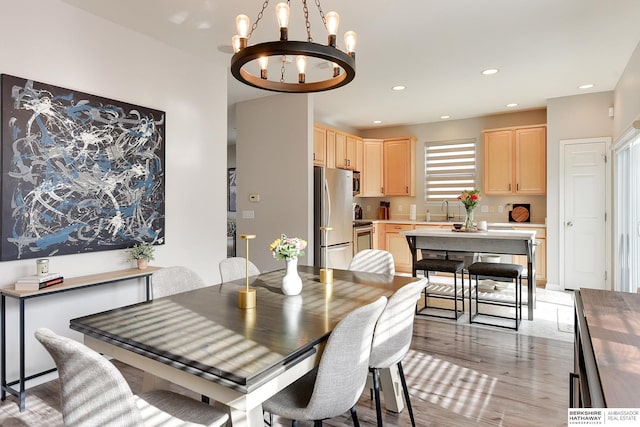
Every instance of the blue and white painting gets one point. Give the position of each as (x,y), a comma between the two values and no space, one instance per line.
(80,173)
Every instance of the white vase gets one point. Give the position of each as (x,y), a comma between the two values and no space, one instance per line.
(291,282)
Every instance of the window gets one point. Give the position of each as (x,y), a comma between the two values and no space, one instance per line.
(627,208)
(449,168)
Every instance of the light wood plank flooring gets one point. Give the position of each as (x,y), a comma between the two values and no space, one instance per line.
(459,375)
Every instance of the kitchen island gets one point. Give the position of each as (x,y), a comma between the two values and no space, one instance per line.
(512,242)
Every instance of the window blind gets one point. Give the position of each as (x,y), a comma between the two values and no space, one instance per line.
(449,168)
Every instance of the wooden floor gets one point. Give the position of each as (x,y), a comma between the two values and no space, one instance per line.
(458,375)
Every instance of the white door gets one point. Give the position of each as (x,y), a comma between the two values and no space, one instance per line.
(583,220)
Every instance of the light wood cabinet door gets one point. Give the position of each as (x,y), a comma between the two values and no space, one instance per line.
(498,162)
(319,146)
(531,161)
(399,167)
(341,150)
(371,173)
(359,155)
(379,236)
(515,161)
(351,152)
(331,148)
(398,246)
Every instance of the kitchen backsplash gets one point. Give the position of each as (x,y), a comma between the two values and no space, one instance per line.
(490,209)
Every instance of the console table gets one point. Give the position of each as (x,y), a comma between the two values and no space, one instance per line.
(69,284)
(607,350)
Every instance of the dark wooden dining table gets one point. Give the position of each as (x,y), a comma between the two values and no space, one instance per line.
(203,341)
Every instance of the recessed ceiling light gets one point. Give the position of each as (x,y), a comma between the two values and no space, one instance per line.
(513,104)
(586,86)
(399,87)
(445,117)
(377,122)
(489,71)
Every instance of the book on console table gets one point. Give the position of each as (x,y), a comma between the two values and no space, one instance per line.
(35,282)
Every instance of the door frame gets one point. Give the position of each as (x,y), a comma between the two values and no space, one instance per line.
(608,206)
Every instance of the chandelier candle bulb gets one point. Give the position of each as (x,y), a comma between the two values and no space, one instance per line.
(282,12)
(333,20)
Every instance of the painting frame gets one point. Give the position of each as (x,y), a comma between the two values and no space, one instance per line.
(231,190)
(81,173)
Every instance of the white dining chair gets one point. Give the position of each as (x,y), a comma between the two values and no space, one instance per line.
(392,339)
(373,261)
(336,384)
(236,268)
(93,392)
(172,280)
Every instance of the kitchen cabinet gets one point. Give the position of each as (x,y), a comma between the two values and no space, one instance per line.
(346,151)
(379,239)
(541,254)
(331,148)
(396,243)
(399,172)
(319,146)
(371,183)
(515,161)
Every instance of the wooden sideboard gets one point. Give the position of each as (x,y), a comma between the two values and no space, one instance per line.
(607,350)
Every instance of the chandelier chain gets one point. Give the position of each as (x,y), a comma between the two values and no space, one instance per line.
(260,15)
(306,20)
(324,20)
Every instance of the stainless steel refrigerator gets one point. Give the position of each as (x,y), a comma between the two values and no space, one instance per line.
(333,191)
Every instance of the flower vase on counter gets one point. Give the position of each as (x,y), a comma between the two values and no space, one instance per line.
(469,199)
(468,221)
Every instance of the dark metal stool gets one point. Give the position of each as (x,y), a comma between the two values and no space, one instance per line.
(497,270)
(443,292)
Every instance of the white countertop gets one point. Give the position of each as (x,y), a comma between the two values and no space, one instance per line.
(435,223)
(489,234)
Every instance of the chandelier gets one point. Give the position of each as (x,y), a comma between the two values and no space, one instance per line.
(250,64)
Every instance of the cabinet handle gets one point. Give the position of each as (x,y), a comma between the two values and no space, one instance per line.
(572,377)
(517,187)
(407,189)
(509,187)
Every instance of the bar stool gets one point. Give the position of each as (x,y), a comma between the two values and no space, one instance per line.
(512,272)
(444,292)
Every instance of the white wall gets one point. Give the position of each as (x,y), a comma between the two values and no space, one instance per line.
(52,42)
(274,155)
(627,96)
(571,117)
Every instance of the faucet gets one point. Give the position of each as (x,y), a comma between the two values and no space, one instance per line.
(445,205)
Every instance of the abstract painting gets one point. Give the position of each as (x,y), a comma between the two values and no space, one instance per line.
(80,173)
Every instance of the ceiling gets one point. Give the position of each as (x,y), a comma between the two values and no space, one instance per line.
(437,49)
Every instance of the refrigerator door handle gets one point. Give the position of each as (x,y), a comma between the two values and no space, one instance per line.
(328,196)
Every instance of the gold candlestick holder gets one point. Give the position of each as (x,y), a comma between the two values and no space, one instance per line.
(326,274)
(247,296)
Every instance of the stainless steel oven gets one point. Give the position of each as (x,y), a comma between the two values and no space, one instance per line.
(362,236)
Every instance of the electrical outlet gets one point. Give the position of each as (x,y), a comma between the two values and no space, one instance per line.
(248,214)
(400,208)
(484,208)
(500,208)
(368,208)
(492,209)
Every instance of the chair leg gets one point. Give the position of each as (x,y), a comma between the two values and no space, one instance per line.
(354,416)
(376,392)
(294,423)
(204,399)
(317,423)
(406,392)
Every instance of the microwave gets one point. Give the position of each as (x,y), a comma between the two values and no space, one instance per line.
(356,183)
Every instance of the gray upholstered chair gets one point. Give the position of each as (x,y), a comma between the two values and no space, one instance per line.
(235,268)
(94,393)
(337,383)
(373,261)
(392,339)
(173,280)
